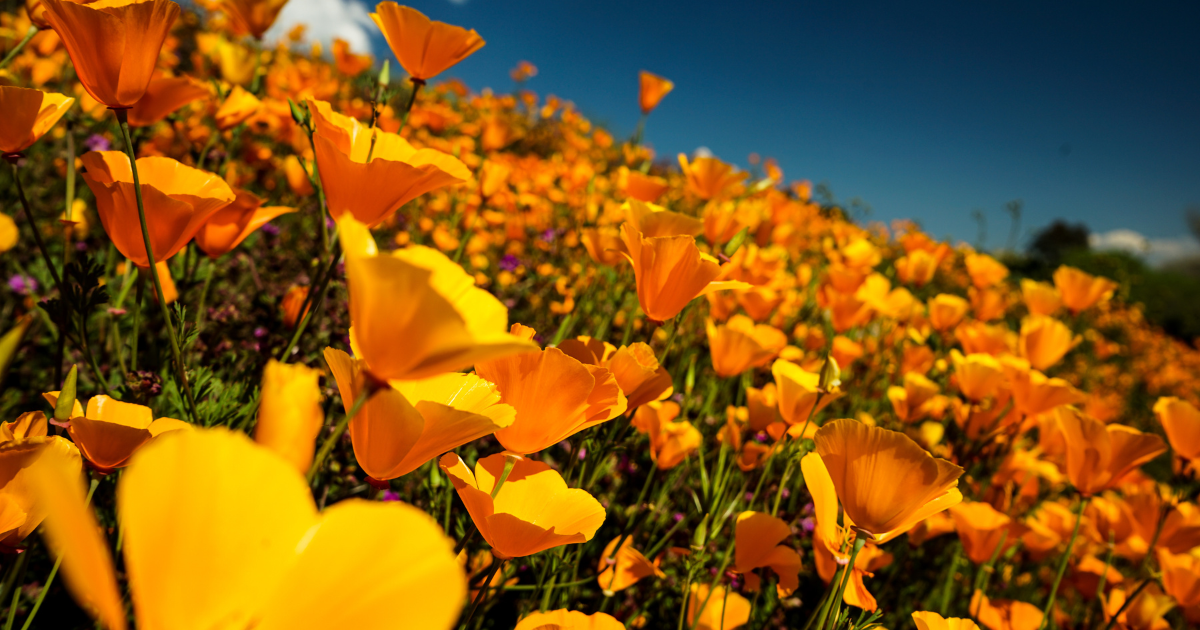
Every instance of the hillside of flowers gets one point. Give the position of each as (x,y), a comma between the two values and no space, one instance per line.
(293,338)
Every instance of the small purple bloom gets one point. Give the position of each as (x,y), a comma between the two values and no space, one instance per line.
(678,516)
(808,524)
(22,284)
(388,495)
(80,246)
(785,493)
(260,332)
(97,142)
(565,445)
(761,437)
(749,497)
(509,262)
(549,235)
(271,229)
(329,222)
(582,453)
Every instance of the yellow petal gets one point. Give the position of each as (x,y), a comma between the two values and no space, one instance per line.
(73,533)
(211,526)
(369,565)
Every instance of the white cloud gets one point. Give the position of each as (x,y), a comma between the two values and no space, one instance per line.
(702,152)
(348,19)
(1155,250)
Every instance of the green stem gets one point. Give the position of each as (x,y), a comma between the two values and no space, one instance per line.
(1128,600)
(948,588)
(37,604)
(412,99)
(152,269)
(835,604)
(1062,565)
(311,307)
(37,236)
(332,440)
(137,320)
(483,589)
(12,54)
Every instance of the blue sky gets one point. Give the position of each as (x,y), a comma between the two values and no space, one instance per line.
(1085,111)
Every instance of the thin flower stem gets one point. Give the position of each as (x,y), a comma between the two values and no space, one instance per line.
(1062,565)
(412,99)
(137,320)
(152,269)
(482,594)
(1087,618)
(1128,600)
(311,306)
(12,54)
(835,603)
(37,604)
(332,440)
(948,588)
(37,236)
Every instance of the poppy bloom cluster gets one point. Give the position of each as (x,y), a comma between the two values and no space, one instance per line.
(468,359)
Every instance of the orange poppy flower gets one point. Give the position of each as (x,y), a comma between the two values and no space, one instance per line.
(798,391)
(915,400)
(1099,455)
(532,511)
(917,268)
(289,412)
(407,423)
(624,567)
(997,614)
(346,61)
(671,440)
(981,527)
(209,544)
(1145,612)
(1044,341)
(252,17)
(758,536)
(115,45)
(396,173)
(739,344)
(708,177)
(424,48)
(1034,393)
(988,304)
(109,432)
(651,89)
(885,481)
(946,311)
(416,314)
(22,508)
(1181,422)
(229,226)
(995,339)
(163,96)
(979,376)
(926,620)
(638,373)
(555,395)
(178,199)
(985,271)
(670,272)
(635,185)
(1181,577)
(1040,298)
(238,107)
(297,176)
(652,220)
(716,609)
(930,528)
(28,114)
(291,304)
(569,620)
(1081,290)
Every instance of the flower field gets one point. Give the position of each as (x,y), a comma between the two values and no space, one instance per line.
(295,339)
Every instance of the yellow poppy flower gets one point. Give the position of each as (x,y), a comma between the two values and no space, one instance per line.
(219,532)
(532,511)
